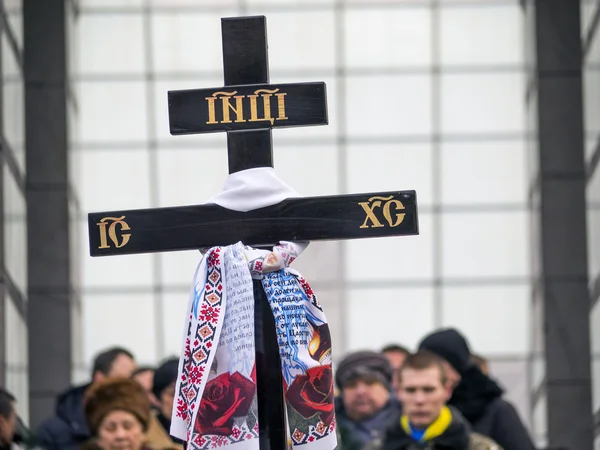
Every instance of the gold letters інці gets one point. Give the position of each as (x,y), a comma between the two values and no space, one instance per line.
(376,202)
(238,109)
(112,231)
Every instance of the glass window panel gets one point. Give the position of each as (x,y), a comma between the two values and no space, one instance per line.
(10,65)
(588,7)
(593,54)
(73,46)
(405,258)
(476,35)
(15,230)
(310,170)
(512,374)
(508,305)
(191,176)
(112,111)
(114,272)
(81,375)
(593,189)
(483,103)
(97,46)
(294,165)
(533,159)
(132,321)
(376,317)
(212,4)
(595,384)
(591,96)
(13,103)
(300,40)
(312,133)
(591,144)
(538,361)
(185,41)
(321,264)
(15,344)
(178,268)
(593,233)
(391,167)
(174,315)
(78,364)
(386,37)
(288,3)
(114,179)
(161,113)
(74,156)
(14,12)
(538,370)
(110,4)
(539,426)
(483,173)
(595,328)
(529,39)
(387,105)
(485,244)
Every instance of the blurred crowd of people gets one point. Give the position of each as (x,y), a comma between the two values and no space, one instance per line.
(123,406)
(439,397)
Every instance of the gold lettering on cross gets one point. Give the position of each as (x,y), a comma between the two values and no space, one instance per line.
(376,202)
(111,223)
(227,107)
(266,96)
(238,106)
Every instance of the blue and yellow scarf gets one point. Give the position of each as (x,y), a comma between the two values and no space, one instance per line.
(437,428)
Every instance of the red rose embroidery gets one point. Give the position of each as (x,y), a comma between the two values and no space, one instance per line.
(225,397)
(312,393)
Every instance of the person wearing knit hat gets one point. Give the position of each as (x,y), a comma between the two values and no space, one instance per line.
(453,347)
(475,395)
(117,412)
(365,407)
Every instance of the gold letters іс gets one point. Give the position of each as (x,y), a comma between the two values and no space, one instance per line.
(238,109)
(376,202)
(111,223)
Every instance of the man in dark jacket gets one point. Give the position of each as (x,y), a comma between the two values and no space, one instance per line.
(426,422)
(67,430)
(365,406)
(475,395)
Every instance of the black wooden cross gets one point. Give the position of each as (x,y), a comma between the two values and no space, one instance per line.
(248,108)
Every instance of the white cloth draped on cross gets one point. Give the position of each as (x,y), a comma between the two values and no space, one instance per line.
(216,403)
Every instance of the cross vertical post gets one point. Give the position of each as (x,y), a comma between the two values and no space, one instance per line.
(245,61)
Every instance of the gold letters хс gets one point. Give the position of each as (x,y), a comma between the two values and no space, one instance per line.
(111,223)
(238,109)
(376,202)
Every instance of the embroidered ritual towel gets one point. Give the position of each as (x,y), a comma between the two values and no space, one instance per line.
(215,404)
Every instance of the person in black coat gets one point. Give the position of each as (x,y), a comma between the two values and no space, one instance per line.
(475,395)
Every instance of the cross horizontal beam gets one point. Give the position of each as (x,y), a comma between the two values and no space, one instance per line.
(352,216)
(247,107)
